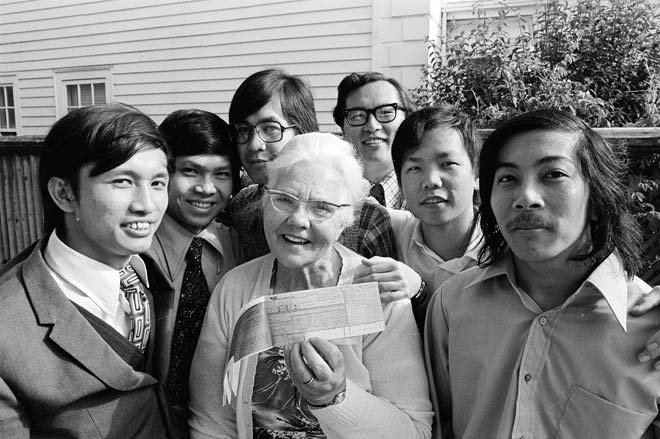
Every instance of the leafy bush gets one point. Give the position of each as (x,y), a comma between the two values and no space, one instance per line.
(644,181)
(598,59)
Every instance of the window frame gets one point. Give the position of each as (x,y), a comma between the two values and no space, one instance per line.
(77,76)
(12,81)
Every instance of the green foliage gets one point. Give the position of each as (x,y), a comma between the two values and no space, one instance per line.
(644,181)
(599,59)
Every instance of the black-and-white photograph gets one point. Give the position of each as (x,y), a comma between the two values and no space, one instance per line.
(347,219)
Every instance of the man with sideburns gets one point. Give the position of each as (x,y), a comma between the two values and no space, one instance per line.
(76,313)
(537,341)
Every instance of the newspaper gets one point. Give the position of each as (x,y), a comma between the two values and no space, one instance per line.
(336,313)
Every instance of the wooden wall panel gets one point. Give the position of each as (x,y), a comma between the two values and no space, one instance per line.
(174,54)
(21,213)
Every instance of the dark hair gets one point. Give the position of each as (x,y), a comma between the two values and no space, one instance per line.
(603,167)
(195,132)
(261,87)
(411,132)
(354,81)
(103,135)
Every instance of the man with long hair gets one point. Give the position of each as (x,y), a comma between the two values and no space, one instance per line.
(536,341)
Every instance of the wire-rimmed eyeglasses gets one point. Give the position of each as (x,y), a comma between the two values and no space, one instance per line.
(356,117)
(317,210)
(269,131)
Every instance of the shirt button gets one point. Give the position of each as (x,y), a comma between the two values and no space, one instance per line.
(543,320)
(528,377)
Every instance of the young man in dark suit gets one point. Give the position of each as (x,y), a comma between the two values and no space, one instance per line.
(76,314)
(190,250)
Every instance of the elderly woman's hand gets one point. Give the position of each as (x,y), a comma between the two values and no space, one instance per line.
(316,368)
(395,279)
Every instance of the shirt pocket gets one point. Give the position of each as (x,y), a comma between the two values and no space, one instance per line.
(587,415)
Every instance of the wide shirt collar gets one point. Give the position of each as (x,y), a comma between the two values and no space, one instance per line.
(608,279)
(455,265)
(176,239)
(94,279)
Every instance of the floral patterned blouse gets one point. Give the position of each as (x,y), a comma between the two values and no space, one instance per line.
(278,410)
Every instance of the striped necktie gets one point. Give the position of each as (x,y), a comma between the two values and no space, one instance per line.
(136,307)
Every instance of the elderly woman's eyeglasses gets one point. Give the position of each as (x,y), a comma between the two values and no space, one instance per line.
(317,210)
(356,117)
(268,131)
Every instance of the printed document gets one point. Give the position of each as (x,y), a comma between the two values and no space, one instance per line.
(335,313)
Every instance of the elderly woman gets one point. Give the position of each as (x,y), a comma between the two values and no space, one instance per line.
(374,388)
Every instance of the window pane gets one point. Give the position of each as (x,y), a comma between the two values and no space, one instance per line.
(10,96)
(12,119)
(85,95)
(2,97)
(99,93)
(3,120)
(72,96)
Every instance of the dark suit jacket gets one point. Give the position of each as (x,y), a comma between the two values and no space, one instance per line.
(58,377)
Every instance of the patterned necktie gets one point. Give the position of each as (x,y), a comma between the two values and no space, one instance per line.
(193,301)
(136,306)
(378,193)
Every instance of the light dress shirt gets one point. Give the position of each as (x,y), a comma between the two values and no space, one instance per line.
(89,283)
(501,367)
(413,251)
(168,251)
(172,241)
(393,196)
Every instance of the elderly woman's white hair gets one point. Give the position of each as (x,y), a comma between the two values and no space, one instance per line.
(323,149)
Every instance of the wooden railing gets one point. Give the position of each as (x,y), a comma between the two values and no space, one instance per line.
(640,141)
(21,214)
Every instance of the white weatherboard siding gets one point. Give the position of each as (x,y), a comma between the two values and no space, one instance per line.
(167,55)
(459,16)
(163,55)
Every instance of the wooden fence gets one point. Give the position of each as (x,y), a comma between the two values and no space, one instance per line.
(21,215)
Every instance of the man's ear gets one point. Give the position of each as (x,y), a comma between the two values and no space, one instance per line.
(61,192)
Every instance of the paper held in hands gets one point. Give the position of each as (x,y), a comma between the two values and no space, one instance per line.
(333,313)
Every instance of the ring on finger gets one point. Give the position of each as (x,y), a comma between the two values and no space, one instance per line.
(309,381)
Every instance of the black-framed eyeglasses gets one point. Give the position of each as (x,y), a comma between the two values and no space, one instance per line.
(268,131)
(356,117)
(317,210)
